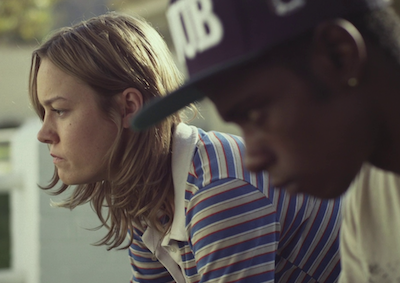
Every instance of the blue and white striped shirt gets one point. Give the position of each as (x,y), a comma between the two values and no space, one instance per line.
(230,225)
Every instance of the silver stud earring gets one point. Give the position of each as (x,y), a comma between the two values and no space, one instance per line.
(254,115)
(352,82)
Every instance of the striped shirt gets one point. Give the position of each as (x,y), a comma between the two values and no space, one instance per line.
(231,225)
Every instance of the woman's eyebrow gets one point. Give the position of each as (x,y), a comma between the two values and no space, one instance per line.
(53,99)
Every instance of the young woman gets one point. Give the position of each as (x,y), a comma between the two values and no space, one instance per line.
(191,210)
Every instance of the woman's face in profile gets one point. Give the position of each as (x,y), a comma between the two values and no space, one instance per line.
(76,131)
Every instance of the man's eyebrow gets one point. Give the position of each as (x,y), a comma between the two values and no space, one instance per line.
(241,107)
(53,99)
(234,112)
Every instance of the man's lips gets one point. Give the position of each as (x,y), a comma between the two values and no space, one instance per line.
(289,186)
(259,160)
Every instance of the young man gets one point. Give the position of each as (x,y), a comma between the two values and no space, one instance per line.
(315,86)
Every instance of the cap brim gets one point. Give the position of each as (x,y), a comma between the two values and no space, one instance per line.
(158,109)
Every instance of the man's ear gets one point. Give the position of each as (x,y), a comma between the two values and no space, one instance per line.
(339,53)
(131,102)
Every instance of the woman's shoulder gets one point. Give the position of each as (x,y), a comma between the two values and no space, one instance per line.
(215,139)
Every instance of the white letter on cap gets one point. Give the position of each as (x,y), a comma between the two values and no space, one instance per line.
(194,27)
(205,18)
(285,8)
(182,31)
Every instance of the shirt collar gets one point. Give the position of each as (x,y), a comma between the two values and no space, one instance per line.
(184,143)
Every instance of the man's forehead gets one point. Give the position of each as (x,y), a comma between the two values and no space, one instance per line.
(231,89)
(216,88)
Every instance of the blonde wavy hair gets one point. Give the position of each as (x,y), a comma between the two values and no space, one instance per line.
(111,53)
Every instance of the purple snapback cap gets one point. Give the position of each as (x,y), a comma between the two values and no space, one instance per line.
(213,36)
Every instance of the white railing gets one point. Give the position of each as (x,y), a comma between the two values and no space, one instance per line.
(10,181)
(10,277)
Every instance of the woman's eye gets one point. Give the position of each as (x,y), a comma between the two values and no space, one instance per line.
(58,112)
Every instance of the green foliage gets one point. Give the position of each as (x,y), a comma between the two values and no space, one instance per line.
(25,20)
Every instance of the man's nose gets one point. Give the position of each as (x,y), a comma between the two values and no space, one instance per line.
(259,155)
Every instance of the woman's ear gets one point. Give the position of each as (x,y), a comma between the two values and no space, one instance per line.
(339,53)
(131,103)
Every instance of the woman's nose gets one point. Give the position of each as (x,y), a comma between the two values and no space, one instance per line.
(47,134)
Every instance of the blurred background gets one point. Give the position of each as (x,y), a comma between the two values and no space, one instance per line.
(38,243)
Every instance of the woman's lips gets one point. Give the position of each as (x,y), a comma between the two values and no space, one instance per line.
(56,159)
